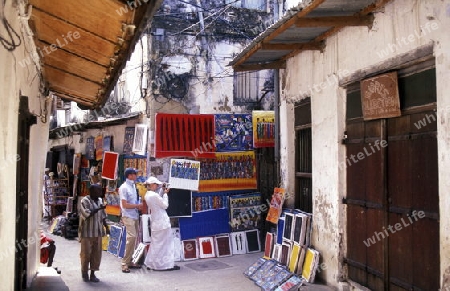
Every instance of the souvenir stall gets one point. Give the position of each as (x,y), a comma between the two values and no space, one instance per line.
(101,152)
(59,191)
(289,260)
(213,164)
(58,180)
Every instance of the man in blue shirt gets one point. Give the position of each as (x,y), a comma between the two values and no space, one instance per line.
(130,206)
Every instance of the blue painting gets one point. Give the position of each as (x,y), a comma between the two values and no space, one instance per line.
(233,132)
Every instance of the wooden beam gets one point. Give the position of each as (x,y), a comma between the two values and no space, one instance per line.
(103,18)
(366,11)
(68,84)
(53,31)
(74,64)
(292,21)
(258,67)
(369,9)
(77,99)
(374,6)
(293,46)
(248,54)
(279,30)
(356,20)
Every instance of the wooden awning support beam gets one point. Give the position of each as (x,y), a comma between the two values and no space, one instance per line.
(258,67)
(293,46)
(333,21)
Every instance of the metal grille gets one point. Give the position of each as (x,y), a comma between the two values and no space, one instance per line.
(303,193)
(246,87)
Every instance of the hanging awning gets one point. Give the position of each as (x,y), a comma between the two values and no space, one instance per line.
(305,27)
(83,45)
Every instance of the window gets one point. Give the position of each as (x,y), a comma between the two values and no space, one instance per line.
(246,87)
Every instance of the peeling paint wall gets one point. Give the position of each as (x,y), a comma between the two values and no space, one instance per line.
(401,27)
(19,80)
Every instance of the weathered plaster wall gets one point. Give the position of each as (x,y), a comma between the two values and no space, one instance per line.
(197,45)
(17,80)
(401,27)
(287,151)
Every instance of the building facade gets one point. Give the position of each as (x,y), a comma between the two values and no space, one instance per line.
(48,51)
(371,177)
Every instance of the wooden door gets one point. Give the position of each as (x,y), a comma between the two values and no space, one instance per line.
(392,193)
(26,120)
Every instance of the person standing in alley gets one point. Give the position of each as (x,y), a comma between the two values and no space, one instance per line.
(130,206)
(90,232)
(161,254)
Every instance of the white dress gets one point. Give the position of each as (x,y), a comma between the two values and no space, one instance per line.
(161,253)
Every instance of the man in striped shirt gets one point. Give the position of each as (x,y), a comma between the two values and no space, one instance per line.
(91,231)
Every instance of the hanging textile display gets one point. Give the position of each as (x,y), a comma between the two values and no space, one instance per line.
(184,135)
(90,148)
(229,171)
(263,129)
(233,132)
(98,147)
(184,174)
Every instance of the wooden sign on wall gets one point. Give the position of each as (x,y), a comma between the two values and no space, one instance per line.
(380,97)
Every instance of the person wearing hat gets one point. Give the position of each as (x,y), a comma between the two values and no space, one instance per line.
(130,207)
(161,254)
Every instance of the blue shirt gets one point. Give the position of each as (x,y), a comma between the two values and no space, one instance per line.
(127,191)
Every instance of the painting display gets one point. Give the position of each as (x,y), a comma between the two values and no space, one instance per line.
(110,164)
(245,212)
(90,148)
(128,140)
(107,143)
(228,171)
(184,174)
(233,132)
(263,129)
(98,147)
(223,245)
(276,204)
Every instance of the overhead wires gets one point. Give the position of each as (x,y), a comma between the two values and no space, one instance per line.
(13,41)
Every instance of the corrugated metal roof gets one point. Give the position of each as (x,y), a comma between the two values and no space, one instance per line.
(304,27)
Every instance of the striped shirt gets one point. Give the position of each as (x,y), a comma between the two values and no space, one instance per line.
(91,226)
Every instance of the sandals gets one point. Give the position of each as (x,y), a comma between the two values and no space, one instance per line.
(125,269)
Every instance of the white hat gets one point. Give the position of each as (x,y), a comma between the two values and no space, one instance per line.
(153,180)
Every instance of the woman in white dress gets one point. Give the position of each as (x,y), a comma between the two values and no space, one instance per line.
(161,253)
